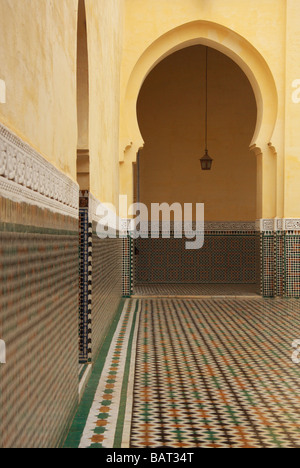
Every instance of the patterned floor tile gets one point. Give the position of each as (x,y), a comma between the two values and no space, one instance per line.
(109,403)
(207,373)
(217,373)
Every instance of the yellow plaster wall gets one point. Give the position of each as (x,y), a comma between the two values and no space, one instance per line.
(292,117)
(252,32)
(105,35)
(38,65)
(262,23)
(171,114)
(82,80)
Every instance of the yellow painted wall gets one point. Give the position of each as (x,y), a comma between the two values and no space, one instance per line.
(83,162)
(171,114)
(105,33)
(38,65)
(82,80)
(252,33)
(292,116)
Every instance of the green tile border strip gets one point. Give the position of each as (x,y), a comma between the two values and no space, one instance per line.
(82,369)
(98,419)
(107,409)
(24,229)
(73,437)
(84,379)
(123,430)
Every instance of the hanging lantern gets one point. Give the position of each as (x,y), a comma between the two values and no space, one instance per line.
(206,160)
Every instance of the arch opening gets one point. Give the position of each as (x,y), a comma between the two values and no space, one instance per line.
(220,38)
(171,119)
(83,163)
(83,179)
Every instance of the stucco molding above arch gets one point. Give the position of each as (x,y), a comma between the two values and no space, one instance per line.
(224,40)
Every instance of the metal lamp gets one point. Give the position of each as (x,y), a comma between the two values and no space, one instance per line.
(206,160)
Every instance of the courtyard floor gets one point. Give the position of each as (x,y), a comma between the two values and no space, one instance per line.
(195,372)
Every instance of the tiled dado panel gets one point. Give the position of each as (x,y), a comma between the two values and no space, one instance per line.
(39,296)
(292,265)
(39,323)
(85,285)
(106,285)
(224,258)
(280,264)
(100,280)
(268,256)
(128,266)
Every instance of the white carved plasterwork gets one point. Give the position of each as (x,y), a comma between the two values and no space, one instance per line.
(229,226)
(291,224)
(278,224)
(265,225)
(190,226)
(25,176)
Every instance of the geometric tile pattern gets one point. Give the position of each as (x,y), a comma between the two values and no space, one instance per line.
(85,283)
(100,282)
(128,266)
(292,265)
(206,290)
(224,258)
(268,265)
(38,322)
(107,407)
(107,285)
(280,264)
(217,373)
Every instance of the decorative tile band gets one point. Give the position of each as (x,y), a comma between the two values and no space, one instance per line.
(102,422)
(32,216)
(26,177)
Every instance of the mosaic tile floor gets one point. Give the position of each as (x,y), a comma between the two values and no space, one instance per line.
(195,289)
(211,373)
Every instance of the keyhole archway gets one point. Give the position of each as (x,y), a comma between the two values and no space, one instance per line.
(171,115)
(256,69)
(266,132)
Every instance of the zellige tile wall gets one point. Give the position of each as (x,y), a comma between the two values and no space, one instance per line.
(39,323)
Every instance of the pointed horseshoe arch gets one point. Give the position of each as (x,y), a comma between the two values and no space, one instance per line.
(224,40)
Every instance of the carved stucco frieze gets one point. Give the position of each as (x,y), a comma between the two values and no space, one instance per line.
(25,176)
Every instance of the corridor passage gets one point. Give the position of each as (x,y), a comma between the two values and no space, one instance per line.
(187,373)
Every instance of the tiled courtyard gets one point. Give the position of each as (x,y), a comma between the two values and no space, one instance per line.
(195,372)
